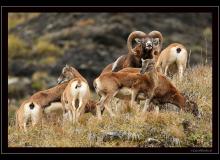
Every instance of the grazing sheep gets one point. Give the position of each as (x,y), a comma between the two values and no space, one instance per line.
(154,86)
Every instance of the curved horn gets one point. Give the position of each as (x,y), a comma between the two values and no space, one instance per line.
(134,34)
(157,34)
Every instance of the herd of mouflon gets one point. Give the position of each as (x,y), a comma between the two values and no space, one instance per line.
(139,75)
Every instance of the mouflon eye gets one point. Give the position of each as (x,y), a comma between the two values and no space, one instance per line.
(156,41)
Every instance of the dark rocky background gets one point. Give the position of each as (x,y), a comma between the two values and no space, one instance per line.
(40,44)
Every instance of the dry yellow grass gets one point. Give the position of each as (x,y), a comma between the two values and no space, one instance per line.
(131,128)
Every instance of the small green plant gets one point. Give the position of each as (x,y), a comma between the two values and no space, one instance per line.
(207,33)
(45,48)
(15,19)
(38,80)
(16,47)
(50,60)
(37,85)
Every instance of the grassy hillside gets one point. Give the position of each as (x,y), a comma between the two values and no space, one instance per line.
(130,128)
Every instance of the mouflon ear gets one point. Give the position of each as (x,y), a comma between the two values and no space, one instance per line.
(156,41)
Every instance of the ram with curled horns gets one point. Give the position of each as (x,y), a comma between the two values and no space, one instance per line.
(148,47)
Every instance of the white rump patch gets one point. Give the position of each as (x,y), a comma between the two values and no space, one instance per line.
(31,113)
(83,89)
(53,107)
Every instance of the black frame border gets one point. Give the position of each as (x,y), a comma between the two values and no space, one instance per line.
(4,50)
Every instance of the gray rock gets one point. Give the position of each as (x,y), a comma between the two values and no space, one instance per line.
(18,87)
(172,142)
(153,141)
(92,138)
(112,135)
(121,135)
